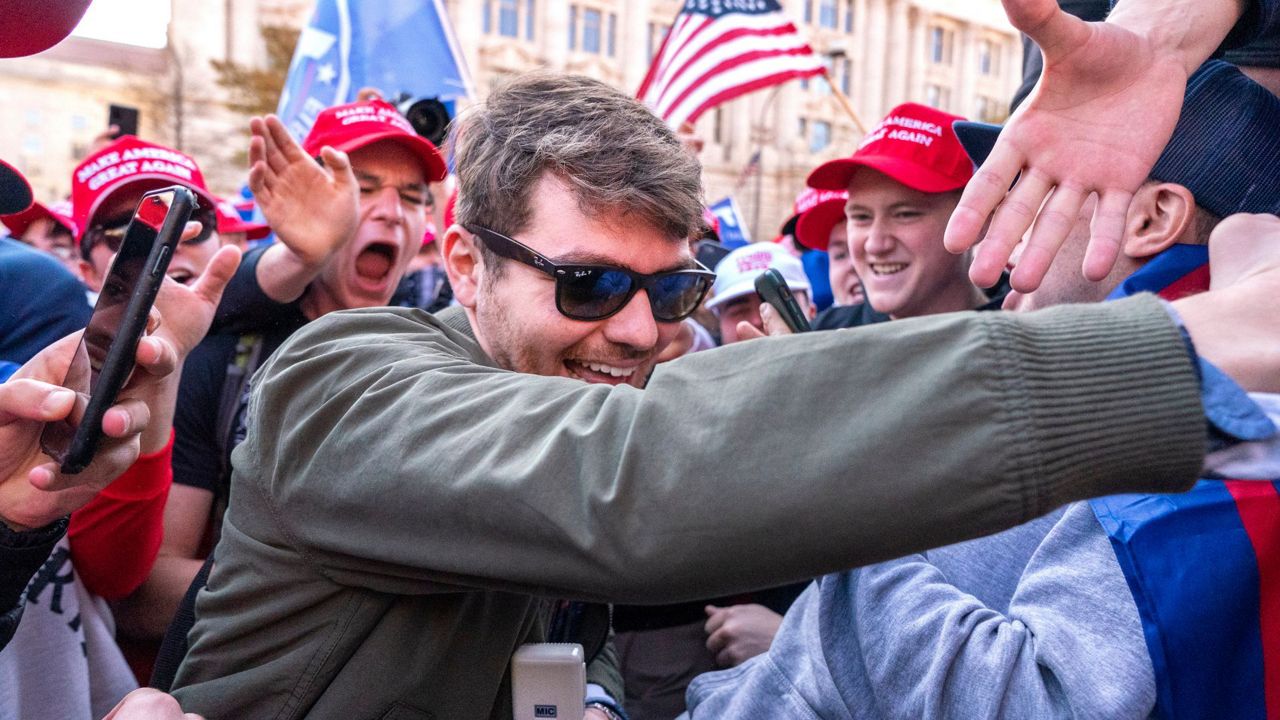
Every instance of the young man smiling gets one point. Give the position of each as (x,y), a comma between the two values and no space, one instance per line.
(903,183)
(414,490)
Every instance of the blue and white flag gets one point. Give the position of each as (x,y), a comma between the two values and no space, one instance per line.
(393,45)
(733,231)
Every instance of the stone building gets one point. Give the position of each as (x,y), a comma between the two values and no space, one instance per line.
(959,55)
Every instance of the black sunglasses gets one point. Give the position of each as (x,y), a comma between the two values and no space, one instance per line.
(111,233)
(594,292)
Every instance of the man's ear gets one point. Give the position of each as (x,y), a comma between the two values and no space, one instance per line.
(1159,216)
(462,263)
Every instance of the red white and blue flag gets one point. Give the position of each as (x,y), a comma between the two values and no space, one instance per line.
(718,50)
(1203,566)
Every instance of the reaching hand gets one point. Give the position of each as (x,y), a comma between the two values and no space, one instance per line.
(1235,325)
(1099,118)
(313,209)
(187,310)
(773,325)
(738,633)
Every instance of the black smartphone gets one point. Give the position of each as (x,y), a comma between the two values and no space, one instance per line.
(104,358)
(773,290)
(123,117)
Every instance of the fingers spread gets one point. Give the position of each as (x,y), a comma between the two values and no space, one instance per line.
(289,149)
(984,192)
(1106,232)
(1052,226)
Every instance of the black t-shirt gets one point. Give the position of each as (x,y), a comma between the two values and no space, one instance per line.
(848,316)
(198,453)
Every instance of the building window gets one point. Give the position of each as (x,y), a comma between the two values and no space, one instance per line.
(940,42)
(505,18)
(937,96)
(657,33)
(508,18)
(848,16)
(988,58)
(717,132)
(808,12)
(820,138)
(613,34)
(591,19)
(573,27)
(802,128)
(990,110)
(827,14)
(823,86)
(846,75)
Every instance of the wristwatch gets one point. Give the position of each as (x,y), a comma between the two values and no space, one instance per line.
(608,711)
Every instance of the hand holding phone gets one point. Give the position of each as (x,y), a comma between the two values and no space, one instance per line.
(104,358)
(773,289)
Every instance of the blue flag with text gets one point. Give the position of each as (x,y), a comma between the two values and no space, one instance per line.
(396,46)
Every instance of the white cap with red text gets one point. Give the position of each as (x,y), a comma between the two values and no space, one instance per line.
(736,274)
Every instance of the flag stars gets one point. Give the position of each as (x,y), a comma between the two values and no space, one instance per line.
(326,73)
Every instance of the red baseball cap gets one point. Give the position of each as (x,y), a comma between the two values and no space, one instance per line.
(59,212)
(914,145)
(229,221)
(15,193)
(355,125)
(808,199)
(28,27)
(813,229)
(133,165)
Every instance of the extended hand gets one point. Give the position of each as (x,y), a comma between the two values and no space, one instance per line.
(1235,325)
(738,633)
(313,209)
(1099,118)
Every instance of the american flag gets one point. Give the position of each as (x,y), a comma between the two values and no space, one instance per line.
(718,50)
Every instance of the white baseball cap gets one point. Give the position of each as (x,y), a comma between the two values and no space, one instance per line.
(736,274)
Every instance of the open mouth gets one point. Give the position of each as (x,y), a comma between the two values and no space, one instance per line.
(599,372)
(887,268)
(375,262)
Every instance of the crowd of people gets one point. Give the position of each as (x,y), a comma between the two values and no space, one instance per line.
(430,411)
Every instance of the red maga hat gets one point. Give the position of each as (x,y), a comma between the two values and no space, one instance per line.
(59,212)
(914,145)
(229,221)
(31,26)
(355,125)
(813,229)
(133,165)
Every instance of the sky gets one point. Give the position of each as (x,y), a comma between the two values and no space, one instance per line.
(132,22)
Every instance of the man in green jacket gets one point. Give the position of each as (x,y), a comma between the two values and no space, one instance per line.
(414,488)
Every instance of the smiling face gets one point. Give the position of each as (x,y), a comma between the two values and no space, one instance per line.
(394,203)
(895,241)
(514,313)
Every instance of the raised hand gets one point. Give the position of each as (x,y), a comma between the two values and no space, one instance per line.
(1099,118)
(313,209)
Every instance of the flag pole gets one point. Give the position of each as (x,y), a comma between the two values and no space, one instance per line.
(844,101)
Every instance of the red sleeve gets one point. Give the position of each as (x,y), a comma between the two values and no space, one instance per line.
(116,537)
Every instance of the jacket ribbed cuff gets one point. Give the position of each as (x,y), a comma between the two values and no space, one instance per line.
(1130,417)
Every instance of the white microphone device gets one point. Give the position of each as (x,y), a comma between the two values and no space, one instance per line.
(548,681)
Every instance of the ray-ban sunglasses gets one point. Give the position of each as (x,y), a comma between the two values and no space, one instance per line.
(594,292)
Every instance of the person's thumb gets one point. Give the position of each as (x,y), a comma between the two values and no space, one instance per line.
(1047,24)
